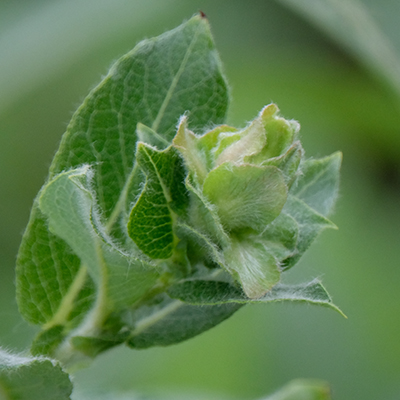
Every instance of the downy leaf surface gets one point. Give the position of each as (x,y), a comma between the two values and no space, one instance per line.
(23,378)
(151,221)
(208,292)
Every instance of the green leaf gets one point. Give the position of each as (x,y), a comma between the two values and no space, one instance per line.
(154,84)
(149,136)
(246,196)
(204,218)
(23,378)
(68,203)
(235,147)
(318,185)
(281,236)
(253,265)
(288,163)
(119,278)
(171,321)
(310,225)
(46,342)
(353,26)
(151,222)
(303,389)
(188,145)
(210,292)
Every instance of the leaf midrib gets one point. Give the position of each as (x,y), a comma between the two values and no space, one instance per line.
(174,83)
(124,192)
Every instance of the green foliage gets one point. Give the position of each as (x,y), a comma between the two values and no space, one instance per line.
(147,233)
(303,390)
(23,378)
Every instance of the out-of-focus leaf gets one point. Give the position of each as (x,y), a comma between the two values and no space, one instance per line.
(23,378)
(310,224)
(318,184)
(352,26)
(302,389)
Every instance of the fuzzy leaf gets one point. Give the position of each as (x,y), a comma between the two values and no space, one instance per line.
(23,378)
(206,292)
(246,196)
(154,85)
(171,321)
(204,217)
(310,225)
(281,236)
(288,163)
(319,183)
(120,279)
(152,218)
(253,265)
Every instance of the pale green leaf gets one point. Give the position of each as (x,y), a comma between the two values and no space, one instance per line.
(151,137)
(246,196)
(253,265)
(23,378)
(204,217)
(302,389)
(318,184)
(280,134)
(187,144)
(235,147)
(288,163)
(68,204)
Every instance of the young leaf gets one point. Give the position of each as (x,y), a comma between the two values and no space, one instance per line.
(288,163)
(206,292)
(152,85)
(319,183)
(68,203)
(204,218)
(310,224)
(23,378)
(151,221)
(253,265)
(246,196)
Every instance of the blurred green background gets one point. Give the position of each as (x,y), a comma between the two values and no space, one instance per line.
(332,65)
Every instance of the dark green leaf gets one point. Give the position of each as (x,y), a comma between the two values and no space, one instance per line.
(151,222)
(172,321)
